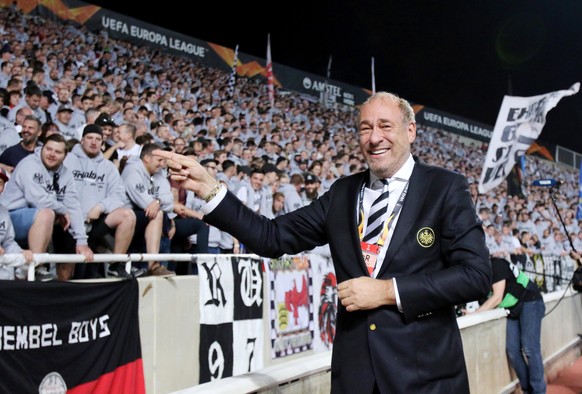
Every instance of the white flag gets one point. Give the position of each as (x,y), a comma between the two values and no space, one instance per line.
(270,82)
(519,123)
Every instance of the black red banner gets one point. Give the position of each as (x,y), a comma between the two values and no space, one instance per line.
(62,337)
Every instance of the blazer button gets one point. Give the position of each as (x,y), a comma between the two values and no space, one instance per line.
(372,327)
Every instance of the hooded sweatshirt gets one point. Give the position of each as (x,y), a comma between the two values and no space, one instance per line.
(7,242)
(97,181)
(32,186)
(143,188)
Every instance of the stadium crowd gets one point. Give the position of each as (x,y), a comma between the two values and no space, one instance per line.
(81,114)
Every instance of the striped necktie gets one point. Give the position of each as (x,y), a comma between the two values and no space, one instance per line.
(377,213)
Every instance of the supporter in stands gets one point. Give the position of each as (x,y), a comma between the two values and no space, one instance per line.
(63,120)
(109,147)
(187,223)
(127,146)
(311,192)
(215,236)
(228,174)
(44,205)
(102,197)
(179,144)
(91,115)
(31,129)
(292,190)
(271,180)
(254,195)
(278,204)
(412,298)
(150,197)
(11,132)
(9,245)
(47,129)
(32,99)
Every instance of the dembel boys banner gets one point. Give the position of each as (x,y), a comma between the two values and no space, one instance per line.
(59,337)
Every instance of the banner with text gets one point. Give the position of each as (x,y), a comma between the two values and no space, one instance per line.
(231,316)
(519,123)
(70,337)
(430,117)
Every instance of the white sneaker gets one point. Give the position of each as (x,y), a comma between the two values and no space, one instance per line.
(43,275)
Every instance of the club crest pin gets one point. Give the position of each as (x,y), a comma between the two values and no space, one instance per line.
(425,237)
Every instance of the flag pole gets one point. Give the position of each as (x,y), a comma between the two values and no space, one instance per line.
(328,76)
(373,77)
(232,79)
(270,81)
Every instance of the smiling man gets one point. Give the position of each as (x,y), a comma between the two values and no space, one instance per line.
(404,255)
(102,196)
(43,203)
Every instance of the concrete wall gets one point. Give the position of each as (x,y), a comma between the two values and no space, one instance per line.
(169,315)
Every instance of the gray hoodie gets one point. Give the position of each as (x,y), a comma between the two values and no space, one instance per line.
(31,186)
(7,242)
(98,181)
(143,188)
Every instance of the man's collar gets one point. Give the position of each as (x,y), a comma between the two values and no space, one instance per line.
(402,174)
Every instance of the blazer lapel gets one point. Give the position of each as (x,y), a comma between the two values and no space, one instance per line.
(410,210)
(353,201)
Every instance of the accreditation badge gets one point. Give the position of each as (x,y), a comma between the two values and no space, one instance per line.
(370,253)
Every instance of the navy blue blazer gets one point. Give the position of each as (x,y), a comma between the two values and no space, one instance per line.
(437,255)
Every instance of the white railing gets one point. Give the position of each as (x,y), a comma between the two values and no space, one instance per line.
(17,260)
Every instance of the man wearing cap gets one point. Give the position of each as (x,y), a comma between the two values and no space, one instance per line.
(43,203)
(63,121)
(31,129)
(109,147)
(311,192)
(102,196)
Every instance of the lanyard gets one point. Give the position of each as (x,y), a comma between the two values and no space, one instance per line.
(388,222)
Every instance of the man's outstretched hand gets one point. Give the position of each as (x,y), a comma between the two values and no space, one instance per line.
(188,172)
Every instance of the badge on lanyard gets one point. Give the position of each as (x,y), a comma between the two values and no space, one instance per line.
(370,253)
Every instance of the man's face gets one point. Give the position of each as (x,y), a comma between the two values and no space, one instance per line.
(107,131)
(124,134)
(152,163)
(91,144)
(86,104)
(52,154)
(30,132)
(33,101)
(311,187)
(384,139)
(64,117)
(64,95)
(278,203)
(257,180)
(21,114)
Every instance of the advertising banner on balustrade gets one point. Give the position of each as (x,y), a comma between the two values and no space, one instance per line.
(69,337)
(231,316)
(291,305)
